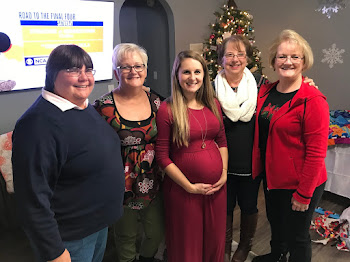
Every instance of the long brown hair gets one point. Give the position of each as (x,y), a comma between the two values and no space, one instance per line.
(177,101)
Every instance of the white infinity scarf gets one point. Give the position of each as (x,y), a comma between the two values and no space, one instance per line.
(241,105)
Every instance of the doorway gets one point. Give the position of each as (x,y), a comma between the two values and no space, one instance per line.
(150,24)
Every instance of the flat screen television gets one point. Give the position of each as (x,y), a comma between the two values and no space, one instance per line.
(30,30)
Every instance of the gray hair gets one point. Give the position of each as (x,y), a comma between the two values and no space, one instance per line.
(121,50)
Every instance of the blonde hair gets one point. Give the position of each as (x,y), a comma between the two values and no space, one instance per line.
(121,50)
(289,35)
(177,101)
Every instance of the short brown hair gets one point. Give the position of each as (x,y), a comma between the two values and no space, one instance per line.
(237,40)
(65,57)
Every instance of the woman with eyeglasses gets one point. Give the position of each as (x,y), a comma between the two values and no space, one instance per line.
(131,111)
(290,144)
(236,90)
(67,193)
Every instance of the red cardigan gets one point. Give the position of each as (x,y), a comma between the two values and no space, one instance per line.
(296,144)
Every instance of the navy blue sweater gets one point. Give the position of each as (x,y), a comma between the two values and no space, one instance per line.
(68,175)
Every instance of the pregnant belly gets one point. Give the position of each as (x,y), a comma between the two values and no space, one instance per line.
(203,166)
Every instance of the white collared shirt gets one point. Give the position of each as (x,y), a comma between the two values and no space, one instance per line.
(61,102)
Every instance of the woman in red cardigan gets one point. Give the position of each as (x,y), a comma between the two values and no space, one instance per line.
(290,144)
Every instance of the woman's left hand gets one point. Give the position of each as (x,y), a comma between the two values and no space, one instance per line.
(297,206)
(219,184)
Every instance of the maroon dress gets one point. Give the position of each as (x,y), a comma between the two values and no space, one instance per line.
(195,224)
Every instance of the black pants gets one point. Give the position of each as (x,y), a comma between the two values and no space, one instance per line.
(291,227)
(244,190)
(277,246)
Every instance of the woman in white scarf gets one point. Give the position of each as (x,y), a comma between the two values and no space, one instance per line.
(236,90)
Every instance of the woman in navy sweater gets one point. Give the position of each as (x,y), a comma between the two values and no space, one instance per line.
(68,187)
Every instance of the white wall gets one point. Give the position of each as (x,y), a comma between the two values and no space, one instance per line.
(271,17)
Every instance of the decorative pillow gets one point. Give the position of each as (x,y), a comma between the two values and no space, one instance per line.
(5,160)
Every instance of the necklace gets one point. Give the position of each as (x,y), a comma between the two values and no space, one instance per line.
(206,130)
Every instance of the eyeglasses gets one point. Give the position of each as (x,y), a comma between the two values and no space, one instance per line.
(127,69)
(239,55)
(294,58)
(76,72)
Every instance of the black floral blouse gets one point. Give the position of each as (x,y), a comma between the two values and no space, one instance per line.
(142,175)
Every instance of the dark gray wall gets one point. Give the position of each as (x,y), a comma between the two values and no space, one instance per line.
(128,23)
(271,17)
(148,26)
(154,36)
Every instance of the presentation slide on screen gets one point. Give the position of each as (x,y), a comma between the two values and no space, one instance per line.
(30,31)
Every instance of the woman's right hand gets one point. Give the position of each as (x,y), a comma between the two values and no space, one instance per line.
(199,188)
(179,178)
(65,257)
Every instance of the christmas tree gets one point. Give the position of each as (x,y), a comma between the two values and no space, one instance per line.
(230,21)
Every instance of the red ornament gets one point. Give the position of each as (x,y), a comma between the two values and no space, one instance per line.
(240,30)
(212,36)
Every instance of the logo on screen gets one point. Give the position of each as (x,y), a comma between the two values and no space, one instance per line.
(34,61)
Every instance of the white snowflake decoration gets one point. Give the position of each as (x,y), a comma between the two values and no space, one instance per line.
(332,56)
(329,7)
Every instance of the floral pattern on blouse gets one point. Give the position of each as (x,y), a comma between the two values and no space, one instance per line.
(142,175)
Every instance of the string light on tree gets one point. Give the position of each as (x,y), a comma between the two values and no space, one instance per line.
(230,21)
